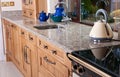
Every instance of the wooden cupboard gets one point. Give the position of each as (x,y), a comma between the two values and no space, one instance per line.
(34,56)
(32,8)
(52,60)
(7,37)
(29,54)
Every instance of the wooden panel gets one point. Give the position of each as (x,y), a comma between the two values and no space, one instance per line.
(24,34)
(49,48)
(32,38)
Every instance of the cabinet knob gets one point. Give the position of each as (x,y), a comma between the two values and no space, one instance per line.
(30,14)
(54,52)
(30,38)
(45,47)
(39,42)
(22,32)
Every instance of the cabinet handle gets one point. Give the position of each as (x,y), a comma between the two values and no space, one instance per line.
(54,52)
(22,33)
(45,47)
(48,61)
(12,25)
(30,38)
(26,55)
(39,42)
(30,14)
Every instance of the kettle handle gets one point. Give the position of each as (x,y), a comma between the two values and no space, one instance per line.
(107,31)
(104,12)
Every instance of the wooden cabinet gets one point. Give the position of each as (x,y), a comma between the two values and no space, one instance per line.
(12,43)
(51,60)
(34,56)
(8,41)
(29,54)
(16,45)
(32,8)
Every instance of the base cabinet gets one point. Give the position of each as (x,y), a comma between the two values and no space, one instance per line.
(50,65)
(32,56)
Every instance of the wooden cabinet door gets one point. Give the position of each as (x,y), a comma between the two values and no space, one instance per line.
(16,45)
(8,39)
(53,67)
(41,5)
(29,53)
(26,53)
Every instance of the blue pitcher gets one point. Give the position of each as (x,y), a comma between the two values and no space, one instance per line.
(43,16)
(59,11)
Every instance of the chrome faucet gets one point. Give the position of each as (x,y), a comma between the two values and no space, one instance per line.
(104,12)
(65,18)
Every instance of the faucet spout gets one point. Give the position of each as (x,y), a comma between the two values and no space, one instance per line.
(104,12)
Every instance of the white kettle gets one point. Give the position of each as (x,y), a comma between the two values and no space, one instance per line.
(101,30)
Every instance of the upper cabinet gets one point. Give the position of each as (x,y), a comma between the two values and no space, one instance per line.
(32,8)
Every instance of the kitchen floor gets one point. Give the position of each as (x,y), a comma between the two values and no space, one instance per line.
(8,69)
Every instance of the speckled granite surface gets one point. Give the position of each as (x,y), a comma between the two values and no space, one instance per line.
(71,37)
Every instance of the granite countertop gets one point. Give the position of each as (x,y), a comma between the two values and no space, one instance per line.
(71,37)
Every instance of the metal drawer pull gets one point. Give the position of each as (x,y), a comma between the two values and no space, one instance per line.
(54,52)
(30,13)
(39,42)
(30,38)
(45,46)
(25,55)
(22,32)
(48,61)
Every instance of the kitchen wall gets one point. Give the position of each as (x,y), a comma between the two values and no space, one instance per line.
(51,5)
(17,6)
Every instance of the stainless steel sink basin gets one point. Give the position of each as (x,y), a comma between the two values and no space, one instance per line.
(47,27)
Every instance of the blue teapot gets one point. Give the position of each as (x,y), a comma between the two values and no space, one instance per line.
(43,17)
(59,11)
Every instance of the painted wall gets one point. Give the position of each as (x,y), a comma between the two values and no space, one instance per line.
(17,6)
(51,5)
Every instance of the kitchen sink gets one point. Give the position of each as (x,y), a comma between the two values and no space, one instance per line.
(42,27)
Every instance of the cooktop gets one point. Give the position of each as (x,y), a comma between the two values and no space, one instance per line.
(107,59)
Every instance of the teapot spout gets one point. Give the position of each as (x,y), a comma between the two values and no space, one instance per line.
(48,16)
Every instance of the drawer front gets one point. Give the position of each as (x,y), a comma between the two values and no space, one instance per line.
(49,48)
(51,64)
(23,33)
(46,61)
(31,13)
(32,38)
(24,12)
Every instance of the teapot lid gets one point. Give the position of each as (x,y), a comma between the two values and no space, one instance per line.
(42,12)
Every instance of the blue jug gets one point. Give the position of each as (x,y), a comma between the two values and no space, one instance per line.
(43,16)
(59,11)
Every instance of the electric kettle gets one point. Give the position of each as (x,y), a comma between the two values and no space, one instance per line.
(101,31)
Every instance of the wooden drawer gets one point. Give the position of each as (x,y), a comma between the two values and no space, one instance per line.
(23,34)
(31,38)
(31,13)
(24,12)
(51,64)
(49,48)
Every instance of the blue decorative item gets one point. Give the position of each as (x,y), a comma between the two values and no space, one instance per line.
(59,11)
(43,17)
(56,18)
